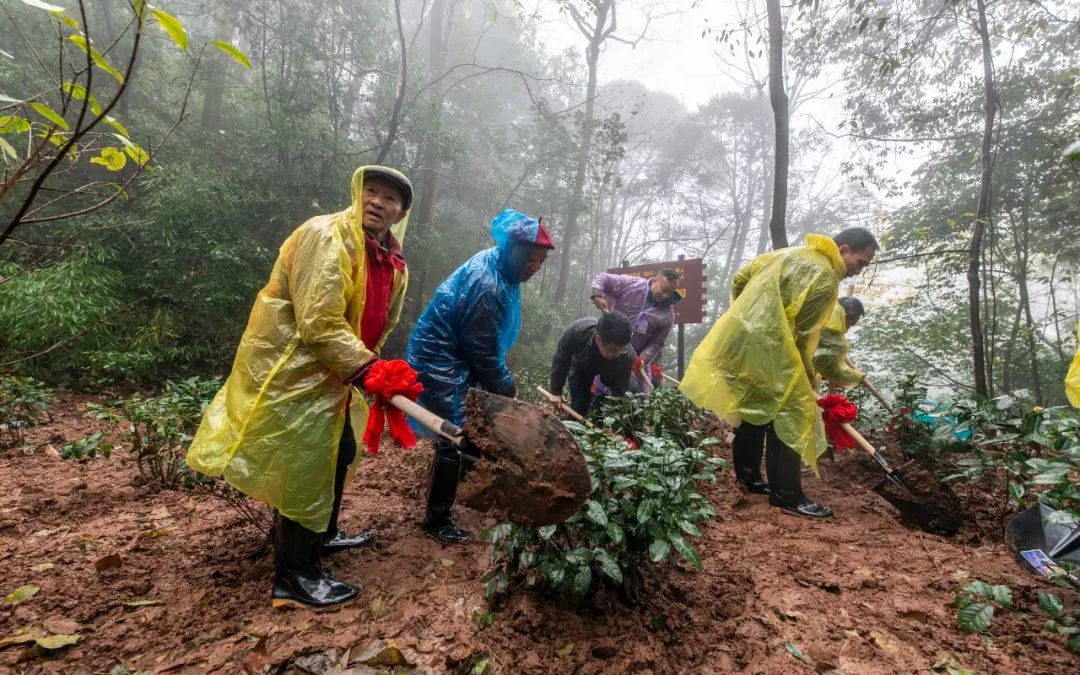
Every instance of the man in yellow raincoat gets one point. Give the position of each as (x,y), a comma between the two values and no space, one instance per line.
(279,430)
(755,367)
(830,359)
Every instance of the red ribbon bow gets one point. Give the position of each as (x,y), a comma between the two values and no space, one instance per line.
(837,410)
(656,370)
(386,379)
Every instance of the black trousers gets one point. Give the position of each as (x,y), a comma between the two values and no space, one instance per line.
(781,462)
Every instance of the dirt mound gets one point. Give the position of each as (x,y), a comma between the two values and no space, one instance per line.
(858,593)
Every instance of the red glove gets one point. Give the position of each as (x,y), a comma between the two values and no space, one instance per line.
(656,371)
(837,410)
(638,364)
(385,380)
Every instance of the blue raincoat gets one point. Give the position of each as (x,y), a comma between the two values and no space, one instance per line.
(472,321)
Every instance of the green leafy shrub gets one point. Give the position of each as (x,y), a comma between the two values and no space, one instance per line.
(644,507)
(87,448)
(664,412)
(975,604)
(24,402)
(159,429)
(1061,620)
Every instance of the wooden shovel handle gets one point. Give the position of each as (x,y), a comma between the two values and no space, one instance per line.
(865,445)
(444,428)
(873,390)
(565,408)
(671,379)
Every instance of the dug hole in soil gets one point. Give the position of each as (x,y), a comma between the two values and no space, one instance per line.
(860,593)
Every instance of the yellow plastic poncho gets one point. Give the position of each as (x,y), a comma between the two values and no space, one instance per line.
(830,358)
(273,429)
(1072,380)
(756,363)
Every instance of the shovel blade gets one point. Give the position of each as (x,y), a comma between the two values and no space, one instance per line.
(533,469)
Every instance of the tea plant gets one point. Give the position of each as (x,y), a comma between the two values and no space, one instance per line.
(643,508)
(87,448)
(976,603)
(24,402)
(664,412)
(159,429)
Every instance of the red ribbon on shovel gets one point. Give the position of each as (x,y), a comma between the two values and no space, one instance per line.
(837,410)
(386,379)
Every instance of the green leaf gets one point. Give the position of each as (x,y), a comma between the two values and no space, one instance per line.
(79,93)
(608,565)
(13,124)
(53,9)
(659,550)
(1073,645)
(975,618)
(794,650)
(689,528)
(644,510)
(171,25)
(115,124)
(8,149)
(615,533)
(547,531)
(232,51)
(50,114)
(582,581)
(1072,153)
(595,513)
(1002,595)
(136,153)
(95,55)
(21,594)
(1051,603)
(56,641)
(686,550)
(110,158)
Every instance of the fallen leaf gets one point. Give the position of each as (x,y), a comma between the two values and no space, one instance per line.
(883,643)
(447,562)
(43,567)
(387,654)
(24,636)
(960,575)
(851,633)
(794,617)
(136,604)
(52,452)
(794,650)
(21,594)
(56,641)
(155,533)
(565,651)
(109,562)
(377,607)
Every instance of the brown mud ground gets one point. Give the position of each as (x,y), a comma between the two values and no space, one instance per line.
(860,593)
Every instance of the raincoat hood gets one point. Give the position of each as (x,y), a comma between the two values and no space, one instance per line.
(828,248)
(509,229)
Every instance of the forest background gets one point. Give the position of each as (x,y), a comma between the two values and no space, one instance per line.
(639,131)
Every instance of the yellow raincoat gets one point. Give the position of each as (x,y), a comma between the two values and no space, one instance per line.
(273,429)
(756,363)
(830,359)
(1072,380)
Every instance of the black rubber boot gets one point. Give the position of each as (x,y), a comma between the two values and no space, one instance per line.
(786,481)
(445,471)
(746,452)
(299,579)
(335,540)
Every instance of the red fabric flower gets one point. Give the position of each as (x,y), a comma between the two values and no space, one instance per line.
(638,363)
(837,410)
(386,379)
(656,371)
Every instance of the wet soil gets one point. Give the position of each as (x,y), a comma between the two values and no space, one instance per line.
(532,469)
(860,593)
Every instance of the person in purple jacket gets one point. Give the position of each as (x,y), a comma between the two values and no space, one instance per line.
(648,303)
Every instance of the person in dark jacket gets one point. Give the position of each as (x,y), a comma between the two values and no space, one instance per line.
(592,348)
(461,340)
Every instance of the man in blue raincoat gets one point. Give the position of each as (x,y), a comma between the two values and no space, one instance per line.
(461,340)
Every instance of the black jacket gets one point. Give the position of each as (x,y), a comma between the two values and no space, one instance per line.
(577,352)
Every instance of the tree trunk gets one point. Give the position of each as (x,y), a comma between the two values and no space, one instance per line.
(1025,302)
(982,214)
(399,100)
(778,98)
(570,227)
(213,110)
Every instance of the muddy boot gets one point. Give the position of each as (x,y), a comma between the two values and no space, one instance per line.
(333,539)
(786,482)
(299,579)
(442,490)
(746,452)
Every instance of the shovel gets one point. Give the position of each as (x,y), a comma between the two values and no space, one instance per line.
(891,474)
(874,390)
(565,408)
(526,463)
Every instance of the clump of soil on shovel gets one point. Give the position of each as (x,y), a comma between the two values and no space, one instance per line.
(929,504)
(532,469)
